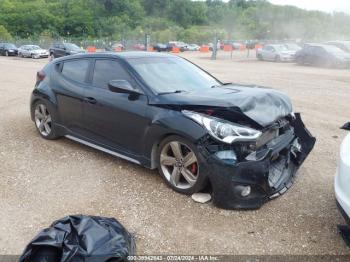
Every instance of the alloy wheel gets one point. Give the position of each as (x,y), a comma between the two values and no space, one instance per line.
(179,165)
(43,120)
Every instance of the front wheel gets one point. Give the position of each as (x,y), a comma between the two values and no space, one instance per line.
(44,120)
(6,53)
(277,58)
(179,165)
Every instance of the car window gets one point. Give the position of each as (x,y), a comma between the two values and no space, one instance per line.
(75,69)
(106,70)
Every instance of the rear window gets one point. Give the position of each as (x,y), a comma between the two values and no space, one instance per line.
(75,69)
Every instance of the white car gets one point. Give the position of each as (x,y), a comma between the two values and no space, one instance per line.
(342,178)
(33,51)
(193,47)
(277,53)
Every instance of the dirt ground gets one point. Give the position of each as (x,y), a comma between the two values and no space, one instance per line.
(41,181)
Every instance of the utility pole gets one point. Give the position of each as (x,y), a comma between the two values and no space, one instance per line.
(147,41)
(215,47)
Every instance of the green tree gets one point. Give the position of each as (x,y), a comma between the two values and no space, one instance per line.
(4,34)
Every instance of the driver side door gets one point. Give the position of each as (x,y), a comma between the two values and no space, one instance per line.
(117,120)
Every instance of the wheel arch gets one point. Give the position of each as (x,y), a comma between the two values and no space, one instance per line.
(156,133)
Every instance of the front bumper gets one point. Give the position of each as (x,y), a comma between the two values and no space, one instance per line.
(342,179)
(287,58)
(269,175)
(12,52)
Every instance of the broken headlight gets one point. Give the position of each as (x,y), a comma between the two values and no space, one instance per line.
(223,130)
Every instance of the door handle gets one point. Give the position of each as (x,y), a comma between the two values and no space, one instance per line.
(90,100)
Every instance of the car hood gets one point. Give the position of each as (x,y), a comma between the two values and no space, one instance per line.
(263,106)
(39,50)
(289,52)
(345,56)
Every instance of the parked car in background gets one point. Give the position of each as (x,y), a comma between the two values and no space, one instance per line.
(64,49)
(343,45)
(193,47)
(159,47)
(293,47)
(342,178)
(8,49)
(139,46)
(323,55)
(33,51)
(181,45)
(162,111)
(275,52)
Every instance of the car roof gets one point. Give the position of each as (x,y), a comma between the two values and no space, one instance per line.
(339,41)
(123,55)
(316,45)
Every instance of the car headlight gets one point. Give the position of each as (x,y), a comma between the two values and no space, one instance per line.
(223,130)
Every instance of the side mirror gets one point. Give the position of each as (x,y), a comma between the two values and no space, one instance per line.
(122,86)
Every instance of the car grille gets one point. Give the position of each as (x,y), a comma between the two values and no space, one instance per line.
(275,130)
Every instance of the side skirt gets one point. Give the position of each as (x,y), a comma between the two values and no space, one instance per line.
(102,149)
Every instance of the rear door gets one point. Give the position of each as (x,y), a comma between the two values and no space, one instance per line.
(118,120)
(69,84)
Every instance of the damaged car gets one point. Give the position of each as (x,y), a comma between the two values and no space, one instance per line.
(244,144)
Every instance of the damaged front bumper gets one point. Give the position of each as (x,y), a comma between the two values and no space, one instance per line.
(263,175)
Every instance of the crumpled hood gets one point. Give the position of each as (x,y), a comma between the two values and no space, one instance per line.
(264,106)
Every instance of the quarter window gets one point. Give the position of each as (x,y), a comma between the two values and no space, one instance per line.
(75,69)
(107,70)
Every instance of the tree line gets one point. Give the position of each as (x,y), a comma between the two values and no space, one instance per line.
(190,21)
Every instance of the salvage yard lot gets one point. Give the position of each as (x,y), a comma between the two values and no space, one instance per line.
(41,181)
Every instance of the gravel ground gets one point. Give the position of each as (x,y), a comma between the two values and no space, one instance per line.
(41,181)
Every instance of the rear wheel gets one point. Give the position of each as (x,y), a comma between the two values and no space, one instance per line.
(260,57)
(179,165)
(44,120)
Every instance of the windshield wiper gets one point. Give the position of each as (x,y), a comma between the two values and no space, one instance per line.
(172,92)
(224,84)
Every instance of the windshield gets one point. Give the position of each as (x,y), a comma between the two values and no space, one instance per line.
(293,47)
(172,74)
(280,48)
(34,47)
(10,46)
(72,46)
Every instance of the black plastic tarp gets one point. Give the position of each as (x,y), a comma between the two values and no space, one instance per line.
(81,238)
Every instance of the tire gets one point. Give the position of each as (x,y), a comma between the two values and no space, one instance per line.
(52,57)
(32,55)
(260,58)
(44,119)
(6,53)
(182,177)
(277,58)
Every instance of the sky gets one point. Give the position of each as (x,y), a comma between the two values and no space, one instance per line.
(322,5)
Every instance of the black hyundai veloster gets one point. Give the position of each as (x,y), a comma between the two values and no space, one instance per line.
(244,144)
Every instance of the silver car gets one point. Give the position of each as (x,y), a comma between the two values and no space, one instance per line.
(277,53)
(32,51)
